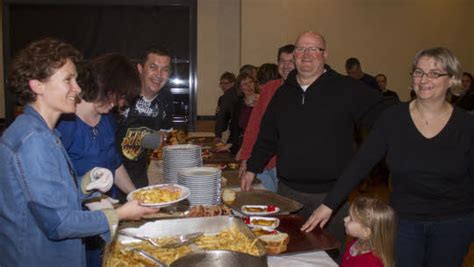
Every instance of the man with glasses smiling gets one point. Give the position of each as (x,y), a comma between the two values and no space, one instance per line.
(309,125)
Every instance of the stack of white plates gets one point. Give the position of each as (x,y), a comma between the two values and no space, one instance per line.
(176,157)
(204,184)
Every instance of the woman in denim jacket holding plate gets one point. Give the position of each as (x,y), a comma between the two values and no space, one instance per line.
(41,215)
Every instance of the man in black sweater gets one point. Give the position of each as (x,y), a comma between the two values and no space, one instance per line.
(309,125)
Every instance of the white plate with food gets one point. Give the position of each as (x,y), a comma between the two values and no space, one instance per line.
(259,209)
(260,231)
(161,195)
(259,222)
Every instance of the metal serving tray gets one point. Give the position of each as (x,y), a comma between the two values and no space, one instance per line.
(207,225)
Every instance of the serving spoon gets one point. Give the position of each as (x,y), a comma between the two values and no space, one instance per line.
(179,241)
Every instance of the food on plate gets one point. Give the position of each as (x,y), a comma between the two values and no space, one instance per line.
(220,145)
(216,165)
(263,222)
(259,209)
(233,166)
(208,211)
(157,194)
(173,138)
(228,196)
(255,209)
(229,239)
(259,222)
(262,231)
(275,243)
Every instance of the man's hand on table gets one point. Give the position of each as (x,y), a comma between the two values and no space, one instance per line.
(132,210)
(246,181)
(320,217)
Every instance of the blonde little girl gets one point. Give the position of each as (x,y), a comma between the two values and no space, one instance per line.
(372,224)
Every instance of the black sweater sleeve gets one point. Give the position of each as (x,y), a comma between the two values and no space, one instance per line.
(267,141)
(371,152)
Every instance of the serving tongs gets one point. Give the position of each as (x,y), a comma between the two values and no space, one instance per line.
(178,241)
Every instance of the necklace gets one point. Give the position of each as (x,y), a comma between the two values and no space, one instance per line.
(425,121)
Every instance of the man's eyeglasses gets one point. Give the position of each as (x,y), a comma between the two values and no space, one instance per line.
(225,82)
(432,74)
(310,49)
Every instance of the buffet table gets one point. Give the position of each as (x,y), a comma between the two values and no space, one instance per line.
(304,249)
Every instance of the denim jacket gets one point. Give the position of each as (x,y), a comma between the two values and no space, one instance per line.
(41,216)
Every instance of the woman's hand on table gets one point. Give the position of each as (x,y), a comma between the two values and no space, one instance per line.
(243,168)
(132,210)
(320,217)
(246,181)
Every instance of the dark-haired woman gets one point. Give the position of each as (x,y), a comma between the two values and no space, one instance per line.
(89,134)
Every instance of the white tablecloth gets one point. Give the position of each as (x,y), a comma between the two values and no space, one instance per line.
(318,258)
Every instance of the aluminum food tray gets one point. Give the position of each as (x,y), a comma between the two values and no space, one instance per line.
(207,225)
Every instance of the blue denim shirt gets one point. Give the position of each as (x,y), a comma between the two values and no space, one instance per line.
(41,216)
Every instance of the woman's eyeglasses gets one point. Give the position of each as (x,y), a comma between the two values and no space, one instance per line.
(431,74)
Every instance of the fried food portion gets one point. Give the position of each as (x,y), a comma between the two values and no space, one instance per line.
(255,209)
(157,194)
(118,254)
(209,211)
(229,239)
(121,255)
(262,222)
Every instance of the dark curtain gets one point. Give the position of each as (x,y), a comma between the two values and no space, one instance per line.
(95,30)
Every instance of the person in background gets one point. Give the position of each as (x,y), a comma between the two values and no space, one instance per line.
(41,213)
(150,112)
(354,70)
(225,104)
(429,145)
(267,72)
(466,101)
(372,224)
(382,82)
(250,70)
(455,94)
(89,135)
(286,64)
(309,125)
(247,90)
(467,81)
(226,81)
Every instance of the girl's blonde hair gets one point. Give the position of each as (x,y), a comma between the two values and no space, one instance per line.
(380,219)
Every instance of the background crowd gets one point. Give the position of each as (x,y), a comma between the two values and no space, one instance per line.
(295,125)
